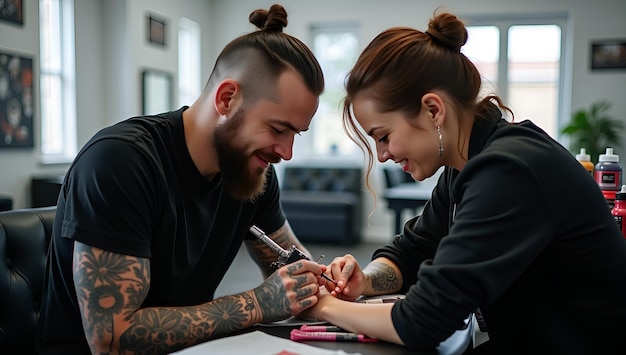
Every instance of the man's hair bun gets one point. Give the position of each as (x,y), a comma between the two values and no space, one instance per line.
(272,20)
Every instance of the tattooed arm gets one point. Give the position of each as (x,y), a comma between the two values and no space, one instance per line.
(112,287)
(381,276)
(263,256)
(384,277)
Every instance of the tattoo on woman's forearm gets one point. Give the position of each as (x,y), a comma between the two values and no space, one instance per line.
(383,277)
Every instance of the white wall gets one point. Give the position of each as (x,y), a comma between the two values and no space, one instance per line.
(128,52)
(111,51)
(17,164)
(587,21)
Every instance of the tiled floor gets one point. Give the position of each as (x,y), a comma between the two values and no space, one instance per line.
(244,274)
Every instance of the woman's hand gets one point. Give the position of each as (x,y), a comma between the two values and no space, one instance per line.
(351,281)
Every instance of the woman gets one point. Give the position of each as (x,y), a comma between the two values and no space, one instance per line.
(515,228)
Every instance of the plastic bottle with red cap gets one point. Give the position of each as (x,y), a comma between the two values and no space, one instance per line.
(619,210)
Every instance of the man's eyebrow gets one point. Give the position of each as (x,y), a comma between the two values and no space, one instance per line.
(289,126)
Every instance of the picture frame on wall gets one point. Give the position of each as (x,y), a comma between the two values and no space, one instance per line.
(156,30)
(156,91)
(16,100)
(12,11)
(608,54)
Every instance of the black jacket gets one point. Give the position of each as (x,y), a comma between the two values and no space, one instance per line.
(524,233)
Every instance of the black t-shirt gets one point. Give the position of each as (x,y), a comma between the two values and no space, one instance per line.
(133,189)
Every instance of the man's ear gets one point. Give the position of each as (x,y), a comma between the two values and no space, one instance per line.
(435,106)
(225,94)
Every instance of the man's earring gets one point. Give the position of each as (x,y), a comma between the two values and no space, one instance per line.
(440,141)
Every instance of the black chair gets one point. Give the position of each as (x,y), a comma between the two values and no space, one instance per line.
(395,176)
(402,192)
(323,204)
(44,190)
(6,203)
(24,238)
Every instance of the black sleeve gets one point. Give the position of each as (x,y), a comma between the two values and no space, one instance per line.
(110,197)
(421,235)
(501,224)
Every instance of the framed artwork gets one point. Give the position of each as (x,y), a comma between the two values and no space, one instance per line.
(16,100)
(12,11)
(156,30)
(156,91)
(608,54)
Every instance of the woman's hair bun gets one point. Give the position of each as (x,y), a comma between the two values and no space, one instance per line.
(272,20)
(448,30)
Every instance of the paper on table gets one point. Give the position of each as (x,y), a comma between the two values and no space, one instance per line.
(258,342)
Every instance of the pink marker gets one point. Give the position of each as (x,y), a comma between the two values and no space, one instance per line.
(320,328)
(298,335)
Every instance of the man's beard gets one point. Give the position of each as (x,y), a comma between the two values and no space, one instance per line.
(239,181)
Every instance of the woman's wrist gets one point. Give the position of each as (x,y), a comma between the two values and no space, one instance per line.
(324,309)
(367,281)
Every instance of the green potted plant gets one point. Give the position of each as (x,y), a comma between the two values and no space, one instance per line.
(594,129)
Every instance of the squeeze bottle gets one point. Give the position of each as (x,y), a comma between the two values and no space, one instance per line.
(608,173)
(585,160)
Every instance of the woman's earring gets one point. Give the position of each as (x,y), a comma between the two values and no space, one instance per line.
(440,141)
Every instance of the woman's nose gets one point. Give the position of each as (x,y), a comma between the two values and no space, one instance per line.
(383,155)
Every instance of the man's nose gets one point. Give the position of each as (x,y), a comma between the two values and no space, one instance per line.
(284,148)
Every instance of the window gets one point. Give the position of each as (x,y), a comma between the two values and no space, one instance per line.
(336,48)
(189,86)
(521,61)
(57,81)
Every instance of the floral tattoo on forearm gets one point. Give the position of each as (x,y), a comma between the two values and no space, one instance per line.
(111,289)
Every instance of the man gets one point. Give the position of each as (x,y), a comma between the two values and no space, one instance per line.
(154,209)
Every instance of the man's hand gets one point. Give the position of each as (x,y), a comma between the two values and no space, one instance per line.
(324,299)
(290,290)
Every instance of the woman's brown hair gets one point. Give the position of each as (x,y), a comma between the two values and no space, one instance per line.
(402,64)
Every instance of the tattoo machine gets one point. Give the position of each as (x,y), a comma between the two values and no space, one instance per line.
(284,256)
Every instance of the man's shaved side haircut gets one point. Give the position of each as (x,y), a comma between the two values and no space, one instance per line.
(256,75)
(257,59)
